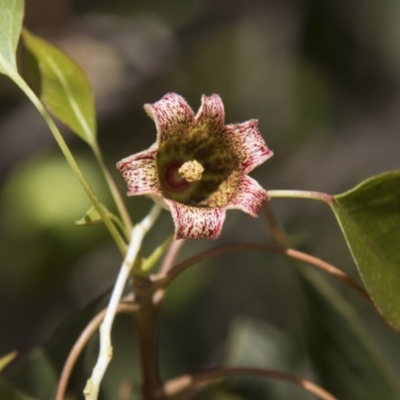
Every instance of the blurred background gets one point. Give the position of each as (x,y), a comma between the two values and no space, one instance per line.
(322,78)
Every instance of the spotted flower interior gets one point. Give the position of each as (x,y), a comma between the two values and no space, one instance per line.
(198,166)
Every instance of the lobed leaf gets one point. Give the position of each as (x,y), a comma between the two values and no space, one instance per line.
(61,85)
(369,216)
(11,15)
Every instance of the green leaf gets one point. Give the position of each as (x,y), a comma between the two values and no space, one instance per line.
(5,360)
(369,216)
(343,353)
(92,217)
(11,14)
(61,85)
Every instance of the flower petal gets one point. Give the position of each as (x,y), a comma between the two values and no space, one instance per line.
(140,172)
(211,113)
(249,197)
(171,114)
(248,144)
(196,222)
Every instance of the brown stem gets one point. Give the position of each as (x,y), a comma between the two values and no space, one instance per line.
(171,255)
(164,281)
(81,342)
(166,265)
(146,325)
(178,385)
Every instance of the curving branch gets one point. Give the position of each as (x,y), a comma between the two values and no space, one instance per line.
(185,382)
(165,279)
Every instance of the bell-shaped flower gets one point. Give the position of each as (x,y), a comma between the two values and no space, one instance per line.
(198,166)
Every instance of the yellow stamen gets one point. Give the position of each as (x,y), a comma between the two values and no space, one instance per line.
(191,171)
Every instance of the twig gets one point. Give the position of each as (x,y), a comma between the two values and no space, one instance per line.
(138,232)
(178,385)
(81,342)
(171,255)
(165,280)
(166,265)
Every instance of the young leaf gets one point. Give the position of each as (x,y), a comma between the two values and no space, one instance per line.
(11,14)
(369,216)
(92,217)
(345,357)
(61,85)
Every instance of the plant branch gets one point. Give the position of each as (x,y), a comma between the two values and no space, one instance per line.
(138,232)
(178,385)
(165,280)
(91,327)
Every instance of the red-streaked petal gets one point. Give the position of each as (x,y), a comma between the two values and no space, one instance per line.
(172,115)
(140,172)
(248,144)
(211,113)
(196,222)
(249,197)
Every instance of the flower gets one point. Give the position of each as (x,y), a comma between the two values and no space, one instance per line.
(198,166)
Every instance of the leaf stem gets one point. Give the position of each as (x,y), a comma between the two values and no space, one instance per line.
(113,187)
(71,160)
(302,194)
(138,233)
(178,385)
